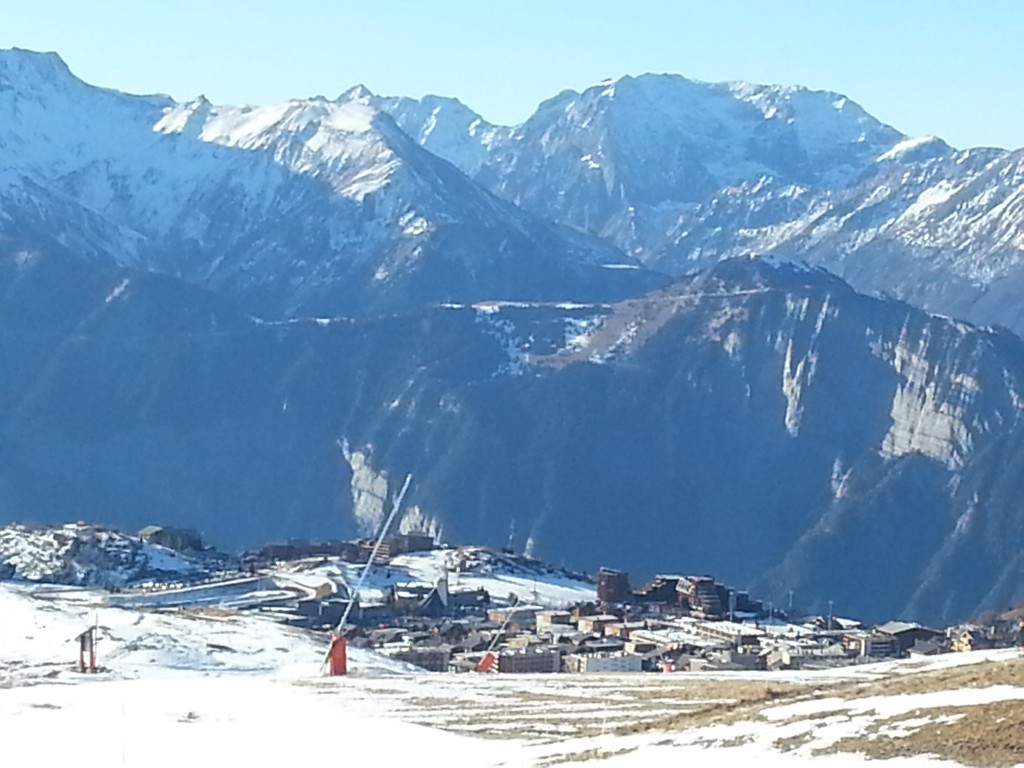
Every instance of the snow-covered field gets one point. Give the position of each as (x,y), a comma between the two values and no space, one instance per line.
(82,554)
(468,568)
(211,686)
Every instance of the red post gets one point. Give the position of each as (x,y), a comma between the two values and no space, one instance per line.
(87,642)
(338,657)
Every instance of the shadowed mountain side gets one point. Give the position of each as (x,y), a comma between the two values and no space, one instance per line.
(763,423)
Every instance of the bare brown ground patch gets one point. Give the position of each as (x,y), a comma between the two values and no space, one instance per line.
(201,611)
(746,702)
(984,735)
(789,743)
(677,703)
(980,675)
(586,755)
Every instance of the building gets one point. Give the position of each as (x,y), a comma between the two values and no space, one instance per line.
(317,612)
(432,659)
(517,618)
(524,640)
(798,653)
(594,644)
(970,639)
(595,624)
(528,661)
(906,634)
(623,629)
(925,648)
(870,644)
(734,661)
(662,589)
(675,638)
(735,634)
(703,597)
(468,598)
(551,621)
(710,600)
(612,586)
(641,647)
(603,663)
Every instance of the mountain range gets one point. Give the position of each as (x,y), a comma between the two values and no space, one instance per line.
(251,320)
(681,174)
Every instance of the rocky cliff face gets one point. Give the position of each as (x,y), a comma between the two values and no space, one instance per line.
(760,422)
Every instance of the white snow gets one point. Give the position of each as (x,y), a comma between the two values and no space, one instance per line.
(213,721)
(904,146)
(931,197)
(468,568)
(81,554)
(236,688)
(40,623)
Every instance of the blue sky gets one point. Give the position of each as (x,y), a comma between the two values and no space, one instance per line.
(944,67)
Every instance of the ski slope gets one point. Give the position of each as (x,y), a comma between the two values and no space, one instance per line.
(215,687)
(40,622)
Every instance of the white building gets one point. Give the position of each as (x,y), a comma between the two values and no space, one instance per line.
(604,663)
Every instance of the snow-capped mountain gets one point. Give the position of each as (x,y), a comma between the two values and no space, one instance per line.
(312,206)
(445,126)
(945,233)
(320,206)
(682,174)
(621,150)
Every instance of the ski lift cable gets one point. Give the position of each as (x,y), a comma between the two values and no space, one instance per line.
(373,554)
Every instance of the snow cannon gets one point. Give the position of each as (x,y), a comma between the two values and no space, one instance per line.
(337,657)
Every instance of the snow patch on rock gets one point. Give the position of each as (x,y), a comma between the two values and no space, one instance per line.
(369,489)
(923,420)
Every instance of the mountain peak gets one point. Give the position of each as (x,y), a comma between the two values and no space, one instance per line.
(23,68)
(357,93)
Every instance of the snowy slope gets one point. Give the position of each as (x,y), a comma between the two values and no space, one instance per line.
(236,689)
(319,206)
(682,174)
(41,622)
(945,232)
(215,680)
(444,126)
(311,206)
(79,554)
(468,568)
(622,155)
